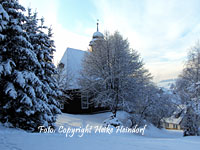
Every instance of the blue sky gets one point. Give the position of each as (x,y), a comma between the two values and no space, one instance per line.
(162,31)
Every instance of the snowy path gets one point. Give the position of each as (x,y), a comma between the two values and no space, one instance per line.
(154,139)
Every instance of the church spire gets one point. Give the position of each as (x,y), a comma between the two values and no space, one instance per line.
(96,36)
(97,25)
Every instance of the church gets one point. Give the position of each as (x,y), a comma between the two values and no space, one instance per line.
(72,64)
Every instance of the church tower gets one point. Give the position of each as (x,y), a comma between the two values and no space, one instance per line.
(96,36)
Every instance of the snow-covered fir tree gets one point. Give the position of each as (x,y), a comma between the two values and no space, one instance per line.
(27,86)
(41,38)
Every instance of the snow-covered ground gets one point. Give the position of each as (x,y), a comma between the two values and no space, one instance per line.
(153,139)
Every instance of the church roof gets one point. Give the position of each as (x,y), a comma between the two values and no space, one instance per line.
(72,60)
(97,35)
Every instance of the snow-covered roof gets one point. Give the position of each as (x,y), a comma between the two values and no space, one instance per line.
(173,120)
(72,60)
(92,42)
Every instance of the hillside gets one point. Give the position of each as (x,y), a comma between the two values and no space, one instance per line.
(166,83)
(153,139)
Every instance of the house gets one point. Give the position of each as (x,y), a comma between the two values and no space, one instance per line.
(72,64)
(173,123)
(176,121)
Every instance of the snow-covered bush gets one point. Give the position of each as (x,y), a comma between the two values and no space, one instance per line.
(112,121)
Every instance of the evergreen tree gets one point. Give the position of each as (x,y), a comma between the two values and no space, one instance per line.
(26,100)
(5,66)
(41,38)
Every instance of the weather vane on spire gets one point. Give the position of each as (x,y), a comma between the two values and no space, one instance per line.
(97,25)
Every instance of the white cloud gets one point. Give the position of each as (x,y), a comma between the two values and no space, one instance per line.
(162,31)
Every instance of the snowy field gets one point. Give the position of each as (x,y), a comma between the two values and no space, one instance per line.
(153,139)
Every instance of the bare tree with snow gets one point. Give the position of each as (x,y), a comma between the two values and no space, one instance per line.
(188,87)
(112,72)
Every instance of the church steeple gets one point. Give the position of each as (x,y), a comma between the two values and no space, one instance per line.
(96,36)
